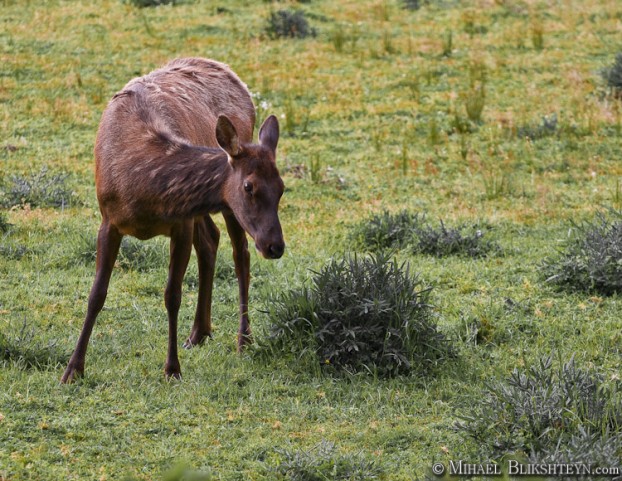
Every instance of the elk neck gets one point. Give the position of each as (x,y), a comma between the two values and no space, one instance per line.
(189,180)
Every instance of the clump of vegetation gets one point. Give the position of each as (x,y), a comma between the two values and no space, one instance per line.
(546,128)
(289,24)
(413,4)
(322,462)
(13,251)
(562,414)
(345,35)
(4,223)
(20,346)
(297,115)
(385,230)
(537,35)
(150,3)
(181,472)
(360,314)
(471,23)
(497,184)
(41,189)
(445,241)
(613,76)
(448,44)
(591,259)
(475,97)
(394,231)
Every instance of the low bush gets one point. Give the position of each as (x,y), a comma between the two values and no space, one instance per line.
(591,258)
(444,241)
(564,414)
(613,76)
(413,4)
(323,463)
(395,231)
(289,24)
(546,128)
(385,230)
(42,189)
(150,3)
(13,251)
(4,223)
(360,314)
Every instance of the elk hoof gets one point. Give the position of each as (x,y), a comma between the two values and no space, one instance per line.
(172,372)
(71,374)
(244,340)
(196,339)
(173,376)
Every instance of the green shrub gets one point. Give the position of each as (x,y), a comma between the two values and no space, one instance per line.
(444,241)
(323,463)
(475,97)
(413,4)
(591,259)
(546,413)
(613,76)
(289,24)
(13,251)
(385,230)
(150,3)
(360,314)
(546,128)
(589,448)
(41,189)
(394,231)
(4,223)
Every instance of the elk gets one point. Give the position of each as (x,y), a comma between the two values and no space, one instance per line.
(174,147)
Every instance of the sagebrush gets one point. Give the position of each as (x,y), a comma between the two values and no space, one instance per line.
(360,314)
(289,24)
(591,257)
(40,189)
(385,230)
(613,76)
(324,463)
(563,414)
(397,230)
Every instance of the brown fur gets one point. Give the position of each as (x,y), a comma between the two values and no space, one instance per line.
(173,147)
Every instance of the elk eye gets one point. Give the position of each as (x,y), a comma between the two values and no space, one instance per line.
(248,187)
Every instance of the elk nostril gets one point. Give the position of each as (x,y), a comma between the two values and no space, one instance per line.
(276,250)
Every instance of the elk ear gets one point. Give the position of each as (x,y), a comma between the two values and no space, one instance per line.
(227,137)
(269,133)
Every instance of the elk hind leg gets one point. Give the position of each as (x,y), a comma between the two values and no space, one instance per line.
(205,240)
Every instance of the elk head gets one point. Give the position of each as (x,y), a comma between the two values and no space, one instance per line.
(254,187)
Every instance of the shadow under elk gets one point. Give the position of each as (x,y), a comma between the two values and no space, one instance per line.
(174,147)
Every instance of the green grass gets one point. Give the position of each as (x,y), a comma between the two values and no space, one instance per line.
(374,106)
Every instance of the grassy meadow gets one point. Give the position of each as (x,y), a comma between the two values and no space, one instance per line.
(488,113)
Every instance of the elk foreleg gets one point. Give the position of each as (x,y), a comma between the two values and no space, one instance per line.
(181,247)
(206,237)
(241,258)
(108,242)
